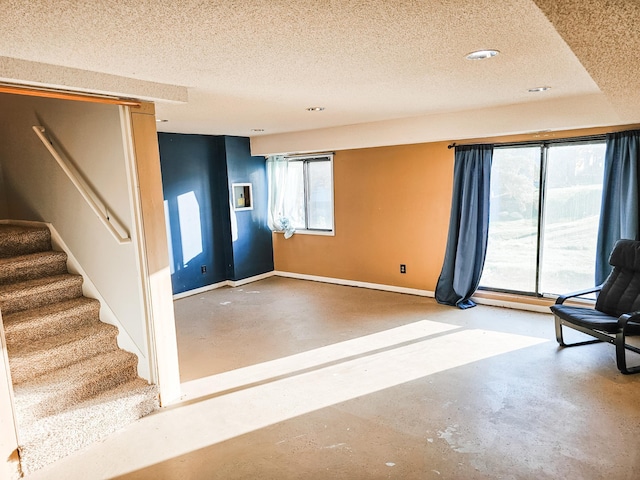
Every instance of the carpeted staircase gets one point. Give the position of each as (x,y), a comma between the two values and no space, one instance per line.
(72,384)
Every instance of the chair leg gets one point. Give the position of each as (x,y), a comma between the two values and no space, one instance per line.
(621,356)
(560,338)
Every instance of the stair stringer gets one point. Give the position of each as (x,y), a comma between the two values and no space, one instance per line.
(125,342)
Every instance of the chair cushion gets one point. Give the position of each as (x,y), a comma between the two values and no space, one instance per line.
(593,319)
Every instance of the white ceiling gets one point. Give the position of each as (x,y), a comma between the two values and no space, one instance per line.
(385,71)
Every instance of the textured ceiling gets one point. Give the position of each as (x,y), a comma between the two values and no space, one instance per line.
(605,36)
(258,64)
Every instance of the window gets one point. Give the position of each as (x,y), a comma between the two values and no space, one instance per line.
(545,209)
(302,192)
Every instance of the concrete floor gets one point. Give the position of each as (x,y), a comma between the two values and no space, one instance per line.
(288,379)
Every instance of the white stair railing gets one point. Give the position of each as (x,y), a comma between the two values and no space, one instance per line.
(98,206)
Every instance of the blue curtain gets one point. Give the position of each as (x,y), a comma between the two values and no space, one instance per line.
(468,226)
(619,211)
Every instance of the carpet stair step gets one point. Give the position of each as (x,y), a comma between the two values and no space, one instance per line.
(21,240)
(20,296)
(53,393)
(72,384)
(30,360)
(35,324)
(51,438)
(32,266)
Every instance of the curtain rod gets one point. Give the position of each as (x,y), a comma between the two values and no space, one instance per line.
(584,138)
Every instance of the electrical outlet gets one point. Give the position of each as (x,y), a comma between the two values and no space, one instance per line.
(203,269)
(403,268)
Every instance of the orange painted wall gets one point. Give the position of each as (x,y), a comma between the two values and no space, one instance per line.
(391,207)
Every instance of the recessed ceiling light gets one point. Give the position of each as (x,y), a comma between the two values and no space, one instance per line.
(482,54)
(257,129)
(539,89)
(161,120)
(315,109)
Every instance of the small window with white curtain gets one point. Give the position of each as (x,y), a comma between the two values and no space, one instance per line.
(301,194)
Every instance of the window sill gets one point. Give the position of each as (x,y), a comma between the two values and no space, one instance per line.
(322,233)
(525,302)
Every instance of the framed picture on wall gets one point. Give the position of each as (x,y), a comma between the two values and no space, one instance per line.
(242,196)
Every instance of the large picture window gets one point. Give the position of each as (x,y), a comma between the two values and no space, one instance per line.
(545,208)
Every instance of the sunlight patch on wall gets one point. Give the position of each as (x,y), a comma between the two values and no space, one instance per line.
(190,226)
(167,224)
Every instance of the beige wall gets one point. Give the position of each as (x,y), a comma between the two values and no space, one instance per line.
(391,207)
(91,136)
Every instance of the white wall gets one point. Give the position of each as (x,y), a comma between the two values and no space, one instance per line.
(36,189)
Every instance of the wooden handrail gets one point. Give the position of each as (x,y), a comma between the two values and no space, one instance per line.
(98,207)
(63,95)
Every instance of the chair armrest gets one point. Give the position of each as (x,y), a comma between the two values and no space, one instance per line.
(561,299)
(624,319)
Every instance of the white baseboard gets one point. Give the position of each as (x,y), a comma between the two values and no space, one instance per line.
(196,291)
(354,283)
(125,342)
(225,283)
(412,291)
(255,278)
(89,289)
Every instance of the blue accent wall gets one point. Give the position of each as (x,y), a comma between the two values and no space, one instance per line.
(253,248)
(197,173)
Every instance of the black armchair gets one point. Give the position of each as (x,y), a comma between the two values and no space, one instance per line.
(617,310)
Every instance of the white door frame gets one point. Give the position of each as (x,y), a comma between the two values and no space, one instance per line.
(145,182)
